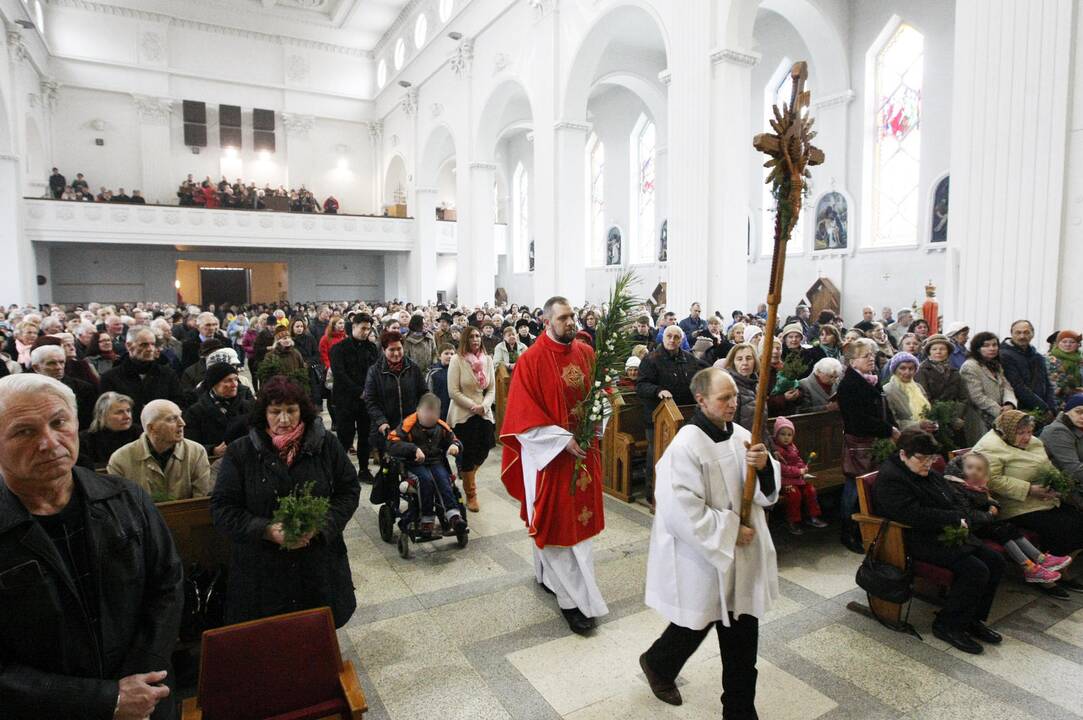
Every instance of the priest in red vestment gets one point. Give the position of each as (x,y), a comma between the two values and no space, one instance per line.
(540,455)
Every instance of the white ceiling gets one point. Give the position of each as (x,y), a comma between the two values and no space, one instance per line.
(358,24)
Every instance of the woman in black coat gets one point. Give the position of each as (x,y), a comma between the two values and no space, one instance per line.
(303,340)
(908,491)
(865,419)
(286,448)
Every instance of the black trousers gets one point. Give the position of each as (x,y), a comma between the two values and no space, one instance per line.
(351,422)
(1060,529)
(970,596)
(738,645)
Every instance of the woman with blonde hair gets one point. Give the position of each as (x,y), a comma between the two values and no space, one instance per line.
(472,388)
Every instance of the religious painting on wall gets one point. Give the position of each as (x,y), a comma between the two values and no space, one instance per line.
(939,221)
(832,222)
(530,256)
(613,246)
(663,242)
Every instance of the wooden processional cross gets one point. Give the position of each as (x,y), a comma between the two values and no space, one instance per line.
(791,153)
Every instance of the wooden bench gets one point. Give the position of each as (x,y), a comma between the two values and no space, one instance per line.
(194,534)
(668,419)
(502,377)
(624,441)
(820,433)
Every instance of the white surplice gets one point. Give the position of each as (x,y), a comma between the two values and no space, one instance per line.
(567,571)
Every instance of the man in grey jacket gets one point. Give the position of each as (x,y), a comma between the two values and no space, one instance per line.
(1063,440)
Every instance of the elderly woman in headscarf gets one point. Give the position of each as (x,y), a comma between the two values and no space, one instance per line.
(1063,362)
(1016,459)
(906,398)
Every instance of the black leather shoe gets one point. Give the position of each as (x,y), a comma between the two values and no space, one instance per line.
(664,690)
(852,544)
(1054,591)
(957,637)
(980,631)
(578,623)
(1071,585)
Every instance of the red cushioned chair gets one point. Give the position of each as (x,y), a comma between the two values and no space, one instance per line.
(286,667)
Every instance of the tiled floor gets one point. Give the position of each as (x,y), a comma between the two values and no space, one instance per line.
(466,633)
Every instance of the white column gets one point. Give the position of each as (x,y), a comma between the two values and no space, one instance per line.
(376,146)
(731,153)
(298,148)
(571,216)
(158,185)
(18,274)
(422,274)
(690,197)
(477,257)
(395,276)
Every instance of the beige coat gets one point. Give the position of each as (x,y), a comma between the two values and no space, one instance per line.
(463,389)
(987,392)
(1010,472)
(186,475)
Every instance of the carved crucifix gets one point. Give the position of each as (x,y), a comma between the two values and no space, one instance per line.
(790,152)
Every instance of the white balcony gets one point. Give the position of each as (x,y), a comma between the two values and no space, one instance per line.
(56,221)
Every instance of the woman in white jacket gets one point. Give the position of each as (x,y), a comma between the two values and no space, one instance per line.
(705,569)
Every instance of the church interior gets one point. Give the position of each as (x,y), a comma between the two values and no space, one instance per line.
(399,163)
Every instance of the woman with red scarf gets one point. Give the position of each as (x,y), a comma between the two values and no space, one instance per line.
(286,449)
(471,385)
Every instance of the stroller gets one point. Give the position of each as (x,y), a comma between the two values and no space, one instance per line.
(397,492)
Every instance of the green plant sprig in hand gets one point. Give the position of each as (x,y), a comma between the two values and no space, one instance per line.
(300,513)
(1052,478)
(882,449)
(953,535)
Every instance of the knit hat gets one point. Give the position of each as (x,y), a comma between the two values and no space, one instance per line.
(751,333)
(281,331)
(633,362)
(934,339)
(1068,334)
(1007,424)
(216,373)
(898,359)
(224,355)
(781,423)
(1073,401)
(954,328)
(792,328)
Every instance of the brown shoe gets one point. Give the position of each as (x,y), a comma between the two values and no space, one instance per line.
(664,690)
(470,487)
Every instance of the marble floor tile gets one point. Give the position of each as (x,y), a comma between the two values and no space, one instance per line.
(442,564)
(894,679)
(437,686)
(488,616)
(962,702)
(827,571)
(375,581)
(622,578)
(1030,668)
(1069,630)
(416,635)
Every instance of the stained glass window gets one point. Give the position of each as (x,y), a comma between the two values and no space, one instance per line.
(899,70)
(595,169)
(778,93)
(643,143)
(521,219)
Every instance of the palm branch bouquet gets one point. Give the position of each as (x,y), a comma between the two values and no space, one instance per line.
(793,369)
(882,449)
(1052,478)
(301,513)
(945,413)
(612,347)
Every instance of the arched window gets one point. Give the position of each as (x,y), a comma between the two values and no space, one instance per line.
(421,30)
(400,53)
(445,9)
(381,73)
(894,163)
(642,146)
(521,219)
(777,92)
(595,168)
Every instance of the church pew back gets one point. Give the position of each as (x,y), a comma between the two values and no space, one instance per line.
(624,440)
(502,378)
(194,534)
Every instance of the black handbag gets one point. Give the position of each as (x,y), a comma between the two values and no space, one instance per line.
(883,580)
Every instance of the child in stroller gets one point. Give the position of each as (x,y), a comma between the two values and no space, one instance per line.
(422,443)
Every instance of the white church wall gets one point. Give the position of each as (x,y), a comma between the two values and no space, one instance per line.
(79,274)
(79,115)
(520,285)
(879,277)
(1069,312)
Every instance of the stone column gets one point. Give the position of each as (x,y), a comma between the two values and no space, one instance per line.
(422,274)
(376,134)
(477,259)
(18,274)
(157,180)
(731,153)
(1010,113)
(298,148)
(571,215)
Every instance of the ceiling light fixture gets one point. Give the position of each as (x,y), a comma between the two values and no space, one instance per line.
(455,35)
(405,83)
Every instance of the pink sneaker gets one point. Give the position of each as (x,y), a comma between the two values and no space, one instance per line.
(1035,573)
(1055,562)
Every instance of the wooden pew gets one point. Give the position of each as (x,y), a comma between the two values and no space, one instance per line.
(821,433)
(503,382)
(194,534)
(624,441)
(668,419)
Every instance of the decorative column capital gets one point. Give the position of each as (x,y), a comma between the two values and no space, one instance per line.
(16,47)
(376,131)
(152,110)
(740,58)
(665,76)
(296,124)
(426,191)
(541,8)
(49,90)
(840,98)
(462,58)
(409,102)
(483,166)
(572,126)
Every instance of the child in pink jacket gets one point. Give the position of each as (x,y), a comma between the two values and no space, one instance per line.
(796,488)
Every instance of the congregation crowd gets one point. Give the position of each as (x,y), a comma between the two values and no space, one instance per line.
(157,396)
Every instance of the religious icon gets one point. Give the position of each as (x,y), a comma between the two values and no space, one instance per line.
(613,246)
(940,212)
(530,256)
(832,222)
(663,242)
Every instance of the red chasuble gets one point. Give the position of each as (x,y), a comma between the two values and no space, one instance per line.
(549,380)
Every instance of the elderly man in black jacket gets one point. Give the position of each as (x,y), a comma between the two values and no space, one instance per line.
(350,362)
(666,372)
(143,374)
(1026,370)
(392,388)
(908,491)
(220,413)
(89,577)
